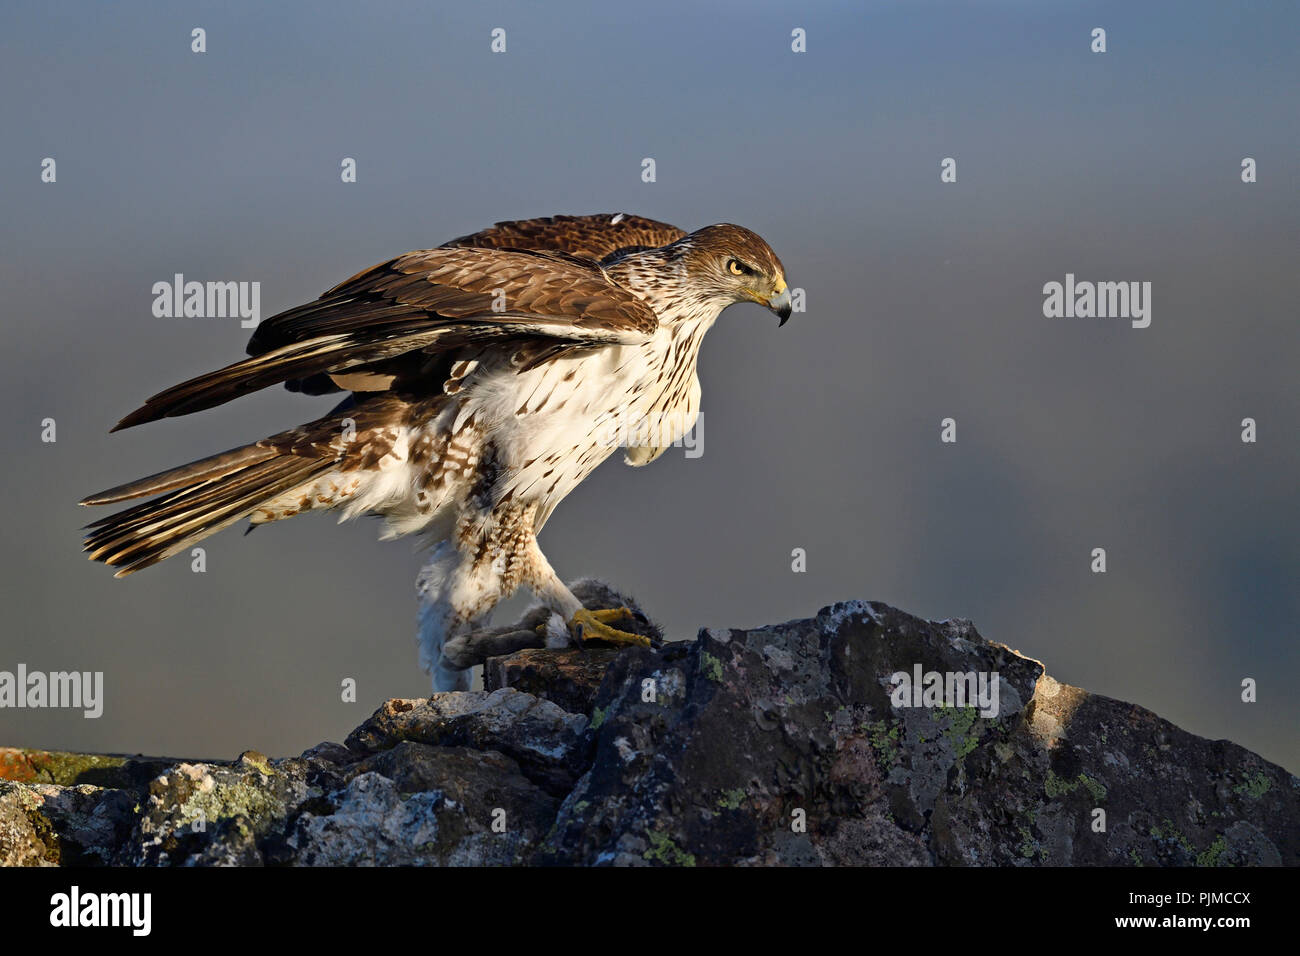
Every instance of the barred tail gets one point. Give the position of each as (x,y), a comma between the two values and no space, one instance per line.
(203,497)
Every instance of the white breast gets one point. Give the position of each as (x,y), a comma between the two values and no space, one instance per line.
(549,428)
(556,423)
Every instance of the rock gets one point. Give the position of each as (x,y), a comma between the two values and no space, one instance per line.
(547,742)
(46,824)
(790,744)
(782,745)
(423,805)
(203,814)
(569,678)
(65,769)
(27,838)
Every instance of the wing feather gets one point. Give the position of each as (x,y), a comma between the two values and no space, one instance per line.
(432,300)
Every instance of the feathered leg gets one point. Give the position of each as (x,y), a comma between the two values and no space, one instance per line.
(479,566)
(466,576)
(452,599)
(584,624)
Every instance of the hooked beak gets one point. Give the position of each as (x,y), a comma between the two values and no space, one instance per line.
(780,304)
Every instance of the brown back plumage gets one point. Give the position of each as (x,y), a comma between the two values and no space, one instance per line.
(591,237)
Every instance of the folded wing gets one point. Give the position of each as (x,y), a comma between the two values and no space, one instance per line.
(428,302)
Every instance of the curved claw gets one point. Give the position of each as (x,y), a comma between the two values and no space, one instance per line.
(588,625)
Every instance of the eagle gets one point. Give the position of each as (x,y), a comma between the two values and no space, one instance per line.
(485,379)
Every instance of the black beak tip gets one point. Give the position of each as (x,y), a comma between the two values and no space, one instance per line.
(785,316)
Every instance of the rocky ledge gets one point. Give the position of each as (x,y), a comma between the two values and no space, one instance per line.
(798,743)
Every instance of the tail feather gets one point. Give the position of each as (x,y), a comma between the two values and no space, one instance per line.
(214,466)
(220,490)
(206,496)
(325,353)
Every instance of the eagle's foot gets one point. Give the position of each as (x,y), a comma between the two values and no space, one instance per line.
(587,625)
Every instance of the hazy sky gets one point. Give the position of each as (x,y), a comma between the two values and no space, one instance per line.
(924,302)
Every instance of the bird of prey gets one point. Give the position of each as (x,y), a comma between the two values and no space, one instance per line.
(483,378)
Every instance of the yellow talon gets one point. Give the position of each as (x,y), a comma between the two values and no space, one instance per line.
(588,625)
(607,614)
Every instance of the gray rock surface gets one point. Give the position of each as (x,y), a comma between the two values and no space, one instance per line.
(782,745)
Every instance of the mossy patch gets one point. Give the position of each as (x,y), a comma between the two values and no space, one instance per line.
(664,850)
(1029,846)
(1094,787)
(1210,855)
(53,766)
(49,837)
(258,762)
(1055,786)
(884,739)
(958,732)
(731,799)
(213,799)
(1254,786)
(711,667)
(1168,833)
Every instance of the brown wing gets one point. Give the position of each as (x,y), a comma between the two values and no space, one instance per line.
(594,237)
(591,237)
(433,300)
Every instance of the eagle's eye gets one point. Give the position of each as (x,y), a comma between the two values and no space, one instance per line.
(735,268)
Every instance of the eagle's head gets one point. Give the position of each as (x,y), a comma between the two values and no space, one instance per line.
(736,265)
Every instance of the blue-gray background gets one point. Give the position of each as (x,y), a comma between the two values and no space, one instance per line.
(924,302)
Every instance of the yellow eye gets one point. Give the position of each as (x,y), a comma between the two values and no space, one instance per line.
(734,268)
